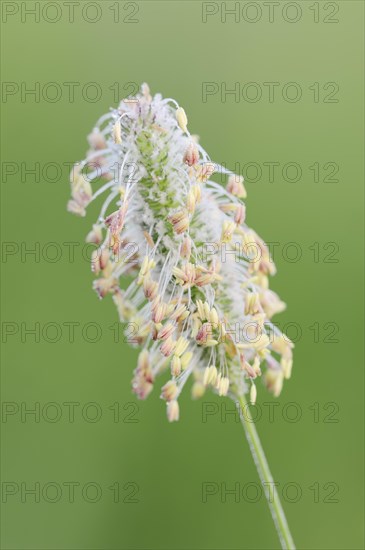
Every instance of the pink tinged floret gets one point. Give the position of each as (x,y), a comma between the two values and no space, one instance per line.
(191,156)
(240,214)
(166,331)
(168,347)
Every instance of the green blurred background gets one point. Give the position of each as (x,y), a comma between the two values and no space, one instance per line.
(163,467)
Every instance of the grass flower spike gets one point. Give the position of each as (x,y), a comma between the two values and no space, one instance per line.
(199,298)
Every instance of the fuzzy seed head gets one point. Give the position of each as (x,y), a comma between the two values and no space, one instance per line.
(199,309)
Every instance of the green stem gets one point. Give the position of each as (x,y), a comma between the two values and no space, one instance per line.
(266,478)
